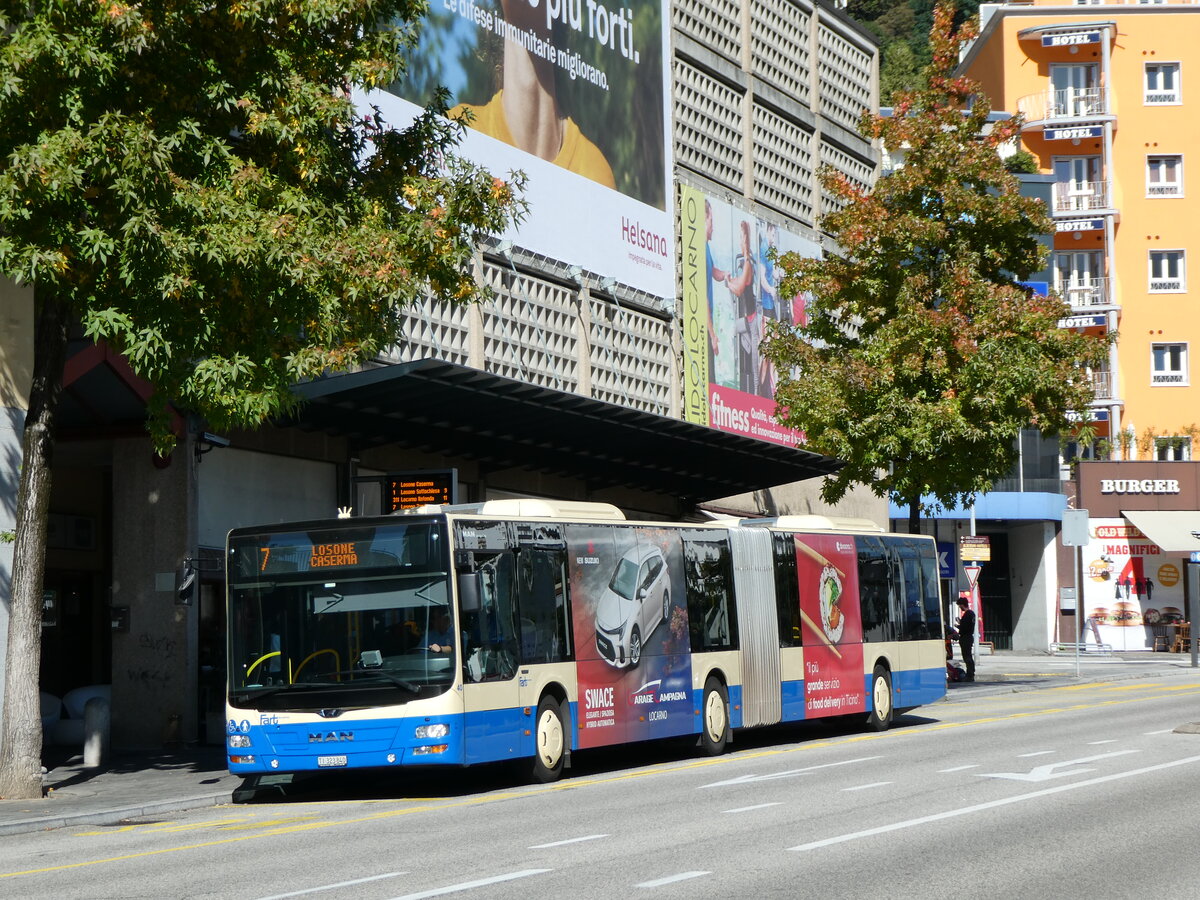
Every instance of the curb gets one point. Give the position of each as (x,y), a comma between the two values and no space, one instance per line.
(112,816)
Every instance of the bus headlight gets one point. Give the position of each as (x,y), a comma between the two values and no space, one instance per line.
(439,730)
(426,751)
(239,740)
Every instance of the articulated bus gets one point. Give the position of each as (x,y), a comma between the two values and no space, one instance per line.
(529,629)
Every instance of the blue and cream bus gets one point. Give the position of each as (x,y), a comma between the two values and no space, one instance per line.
(529,629)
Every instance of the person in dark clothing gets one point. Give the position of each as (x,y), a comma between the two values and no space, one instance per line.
(965,633)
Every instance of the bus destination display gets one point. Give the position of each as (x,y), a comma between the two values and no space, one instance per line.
(408,490)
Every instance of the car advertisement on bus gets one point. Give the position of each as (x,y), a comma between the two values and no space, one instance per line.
(1132,591)
(631,634)
(731,291)
(831,625)
(576,96)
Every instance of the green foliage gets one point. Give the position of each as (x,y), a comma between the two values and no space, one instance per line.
(1022,162)
(194,181)
(922,357)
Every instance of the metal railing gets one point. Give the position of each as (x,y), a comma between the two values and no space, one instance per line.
(1085,292)
(1080,196)
(1067,105)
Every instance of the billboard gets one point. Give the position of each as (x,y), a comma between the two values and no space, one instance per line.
(1132,591)
(576,95)
(730,289)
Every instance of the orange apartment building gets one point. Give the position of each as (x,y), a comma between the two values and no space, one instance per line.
(1102,87)
(1104,91)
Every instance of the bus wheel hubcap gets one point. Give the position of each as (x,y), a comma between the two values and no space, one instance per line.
(550,739)
(715,716)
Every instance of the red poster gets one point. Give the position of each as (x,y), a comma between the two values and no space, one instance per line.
(827,571)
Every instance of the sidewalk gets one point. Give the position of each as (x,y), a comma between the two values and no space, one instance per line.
(136,786)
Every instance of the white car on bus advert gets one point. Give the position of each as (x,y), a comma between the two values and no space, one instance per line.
(637,599)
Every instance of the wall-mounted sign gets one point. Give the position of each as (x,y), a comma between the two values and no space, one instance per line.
(1139,486)
(1069,225)
(422,487)
(1071,40)
(1074,134)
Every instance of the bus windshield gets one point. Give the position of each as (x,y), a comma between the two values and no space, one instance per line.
(339,617)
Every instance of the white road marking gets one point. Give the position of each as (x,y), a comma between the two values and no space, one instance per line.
(470,885)
(575,840)
(1035,753)
(742,809)
(671,879)
(746,779)
(992,804)
(1164,731)
(330,887)
(958,769)
(1046,772)
(866,787)
(1109,741)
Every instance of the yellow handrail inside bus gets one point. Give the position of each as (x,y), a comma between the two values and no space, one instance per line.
(254,665)
(337,662)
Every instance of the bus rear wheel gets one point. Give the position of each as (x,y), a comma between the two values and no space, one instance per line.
(714,717)
(880,716)
(550,741)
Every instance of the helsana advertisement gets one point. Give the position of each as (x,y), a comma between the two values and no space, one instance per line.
(575,94)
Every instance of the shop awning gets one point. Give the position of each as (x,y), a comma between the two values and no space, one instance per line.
(1173,530)
(444,408)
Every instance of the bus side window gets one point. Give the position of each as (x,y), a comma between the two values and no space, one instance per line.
(911,590)
(787,590)
(875,590)
(708,584)
(490,653)
(543,606)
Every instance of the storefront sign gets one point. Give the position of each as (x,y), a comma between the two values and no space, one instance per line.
(1139,486)
(1070,40)
(1074,134)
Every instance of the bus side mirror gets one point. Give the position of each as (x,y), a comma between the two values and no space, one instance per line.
(469,591)
(185,584)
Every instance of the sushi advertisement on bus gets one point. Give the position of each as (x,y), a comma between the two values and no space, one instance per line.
(831,624)
(631,634)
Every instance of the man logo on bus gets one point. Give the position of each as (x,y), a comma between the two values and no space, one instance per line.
(316,737)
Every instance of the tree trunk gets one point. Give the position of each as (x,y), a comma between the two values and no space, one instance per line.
(21,727)
(914,515)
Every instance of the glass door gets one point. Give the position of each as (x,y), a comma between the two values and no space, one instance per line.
(1076,90)
(1078,184)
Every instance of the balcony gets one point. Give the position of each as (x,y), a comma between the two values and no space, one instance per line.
(1056,108)
(1086,294)
(1074,197)
(1102,386)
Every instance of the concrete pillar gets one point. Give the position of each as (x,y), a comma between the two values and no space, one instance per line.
(96,732)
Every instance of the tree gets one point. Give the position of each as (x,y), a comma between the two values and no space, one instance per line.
(923,356)
(192,183)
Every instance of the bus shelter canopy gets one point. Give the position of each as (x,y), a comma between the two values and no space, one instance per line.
(443,408)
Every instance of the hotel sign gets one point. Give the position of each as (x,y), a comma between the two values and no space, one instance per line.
(1070,40)
(1074,134)
(1068,225)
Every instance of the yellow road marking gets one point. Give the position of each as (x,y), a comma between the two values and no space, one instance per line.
(588,782)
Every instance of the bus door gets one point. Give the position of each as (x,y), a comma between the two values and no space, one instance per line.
(543,612)
(491,697)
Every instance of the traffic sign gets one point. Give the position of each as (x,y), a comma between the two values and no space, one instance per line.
(972,573)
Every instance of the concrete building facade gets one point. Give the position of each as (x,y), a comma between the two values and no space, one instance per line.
(567,384)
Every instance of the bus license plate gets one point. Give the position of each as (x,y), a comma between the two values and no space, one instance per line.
(324,761)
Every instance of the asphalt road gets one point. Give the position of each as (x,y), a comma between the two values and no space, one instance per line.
(1079,791)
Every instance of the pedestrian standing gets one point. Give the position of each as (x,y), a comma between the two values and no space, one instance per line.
(965,630)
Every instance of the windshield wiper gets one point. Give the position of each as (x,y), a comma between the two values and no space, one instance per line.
(360,674)
(270,689)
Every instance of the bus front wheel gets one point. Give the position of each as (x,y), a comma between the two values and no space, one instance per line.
(714,715)
(880,716)
(550,736)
